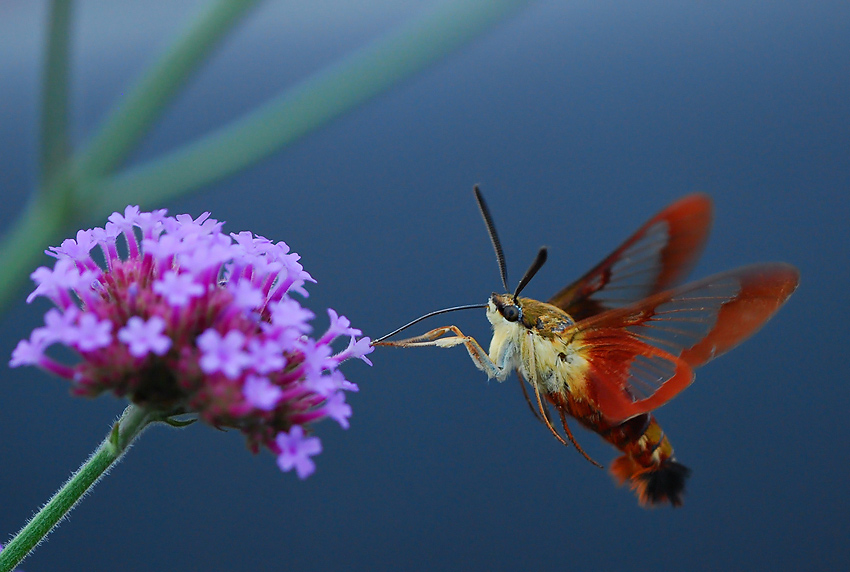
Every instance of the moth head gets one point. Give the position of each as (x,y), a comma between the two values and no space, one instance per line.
(504,306)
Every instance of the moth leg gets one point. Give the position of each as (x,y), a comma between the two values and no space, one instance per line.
(528,399)
(572,439)
(545,415)
(428,339)
(433,338)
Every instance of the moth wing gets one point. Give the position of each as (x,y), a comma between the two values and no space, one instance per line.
(641,356)
(657,257)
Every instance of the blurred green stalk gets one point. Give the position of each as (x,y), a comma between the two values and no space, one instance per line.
(85,187)
(54,104)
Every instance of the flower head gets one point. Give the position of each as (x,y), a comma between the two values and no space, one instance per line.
(191,320)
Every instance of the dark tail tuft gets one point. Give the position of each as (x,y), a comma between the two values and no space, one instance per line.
(653,485)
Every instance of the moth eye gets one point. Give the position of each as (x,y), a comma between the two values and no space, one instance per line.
(511,313)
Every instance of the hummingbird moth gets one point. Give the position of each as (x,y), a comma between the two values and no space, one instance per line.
(623,339)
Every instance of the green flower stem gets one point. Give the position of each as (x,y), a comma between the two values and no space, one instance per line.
(133,116)
(54,104)
(131,423)
(309,105)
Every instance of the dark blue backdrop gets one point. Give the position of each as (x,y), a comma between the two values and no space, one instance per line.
(580,120)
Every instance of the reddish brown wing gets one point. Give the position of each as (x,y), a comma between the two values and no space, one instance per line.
(640,357)
(657,257)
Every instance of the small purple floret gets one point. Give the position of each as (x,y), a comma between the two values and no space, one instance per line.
(145,337)
(177,289)
(28,352)
(261,393)
(337,409)
(91,333)
(296,450)
(223,354)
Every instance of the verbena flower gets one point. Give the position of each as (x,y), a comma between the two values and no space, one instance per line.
(182,318)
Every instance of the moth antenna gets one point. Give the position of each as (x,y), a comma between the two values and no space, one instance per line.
(538,263)
(426,316)
(494,238)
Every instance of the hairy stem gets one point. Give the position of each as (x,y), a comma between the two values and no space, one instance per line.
(129,426)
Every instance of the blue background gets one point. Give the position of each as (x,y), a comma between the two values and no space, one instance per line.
(580,120)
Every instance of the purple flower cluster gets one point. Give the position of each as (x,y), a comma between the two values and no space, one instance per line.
(182,318)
